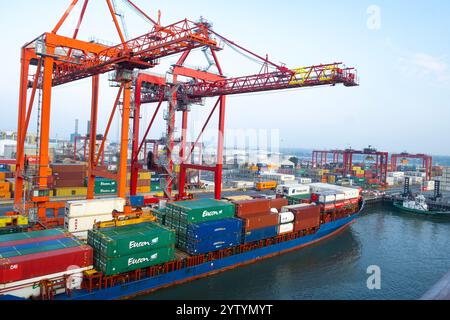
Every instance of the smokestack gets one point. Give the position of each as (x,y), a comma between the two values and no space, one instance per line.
(76,126)
(88,128)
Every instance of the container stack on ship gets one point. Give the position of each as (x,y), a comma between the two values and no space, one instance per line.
(132,248)
(42,264)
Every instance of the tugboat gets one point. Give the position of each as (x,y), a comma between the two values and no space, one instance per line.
(418,205)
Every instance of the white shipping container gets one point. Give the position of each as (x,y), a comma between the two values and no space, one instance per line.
(390,181)
(286,228)
(293,190)
(350,193)
(80,216)
(286,217)
(84,208)
(327,198)
(305,180)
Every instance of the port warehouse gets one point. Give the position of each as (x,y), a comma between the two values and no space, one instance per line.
(164,232)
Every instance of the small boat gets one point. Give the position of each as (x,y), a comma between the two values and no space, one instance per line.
(419,206)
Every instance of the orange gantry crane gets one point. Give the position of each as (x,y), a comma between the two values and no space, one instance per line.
(60,60)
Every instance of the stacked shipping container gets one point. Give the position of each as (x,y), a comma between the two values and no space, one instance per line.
(203,226)
(26,258)
(125,249)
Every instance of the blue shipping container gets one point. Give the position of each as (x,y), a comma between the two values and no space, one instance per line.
(260,234)
(137,201)
(210,245)
(214,229)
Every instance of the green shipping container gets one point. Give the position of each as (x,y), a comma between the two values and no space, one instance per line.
(31,235)
(105,190)
(198,211)
(117,243)
(293,200)
(113,266)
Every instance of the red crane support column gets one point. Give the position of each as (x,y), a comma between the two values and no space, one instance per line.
(93,137)
(218,175)
(122,172)
(21,130)
(44,138)
(135,142)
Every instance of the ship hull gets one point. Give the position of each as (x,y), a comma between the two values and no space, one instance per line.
(152,284)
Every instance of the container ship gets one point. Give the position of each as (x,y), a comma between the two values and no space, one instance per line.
(117,249)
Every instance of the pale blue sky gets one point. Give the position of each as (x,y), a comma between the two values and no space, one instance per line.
(402,103)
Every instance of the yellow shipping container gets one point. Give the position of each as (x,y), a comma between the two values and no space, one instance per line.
(70,192)
(141,176)
(5,195)
(12,168)
(332,179)
(143,189)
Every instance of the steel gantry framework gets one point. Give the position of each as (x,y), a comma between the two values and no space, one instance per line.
(202,84)
(427,162)
(60,60)
(381,162)
(324,156)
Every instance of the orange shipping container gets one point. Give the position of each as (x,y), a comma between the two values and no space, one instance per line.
(5,186)
(2,176)
(266,185)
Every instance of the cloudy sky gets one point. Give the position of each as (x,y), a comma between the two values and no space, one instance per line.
(400,48)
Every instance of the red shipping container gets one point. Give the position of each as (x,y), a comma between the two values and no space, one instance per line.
(59,168)
(261,221)
(252,207)
(45,263)
(306,218)
(327,207)
(278,203)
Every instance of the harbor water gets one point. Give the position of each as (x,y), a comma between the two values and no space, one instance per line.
(411,252)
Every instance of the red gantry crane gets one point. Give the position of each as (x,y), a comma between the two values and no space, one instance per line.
(427,162)
(203,84)
(381,162)
(324,156)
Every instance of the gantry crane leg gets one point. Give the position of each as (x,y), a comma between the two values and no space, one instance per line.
(93,137)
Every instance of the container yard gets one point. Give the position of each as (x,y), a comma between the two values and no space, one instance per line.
(151,198)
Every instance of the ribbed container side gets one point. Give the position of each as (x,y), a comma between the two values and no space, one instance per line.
(44,263)
(199,211)
(278,203)
(260,234)
(251,207)
(118,243)
(215,228)
(113,266)
(221,242)
(261,221)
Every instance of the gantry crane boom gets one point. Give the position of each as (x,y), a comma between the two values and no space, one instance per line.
(320,75)
(140,53)
(207,85)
